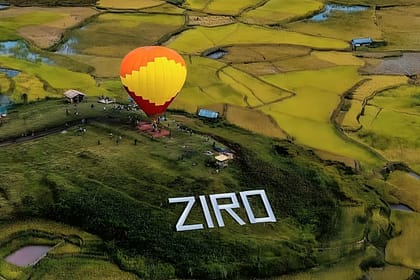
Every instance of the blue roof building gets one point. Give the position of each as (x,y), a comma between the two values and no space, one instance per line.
(357,42)
(208,114)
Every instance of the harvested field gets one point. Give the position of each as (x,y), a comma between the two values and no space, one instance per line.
(263,53)
(390,272)
(199,39)
(403,249)
(407,188)
(45,26)
(341,25)
(400,27)
(254,121)
(233,7)
(407,64)
(274,12)
(128,4)
(209,20)
(101,38)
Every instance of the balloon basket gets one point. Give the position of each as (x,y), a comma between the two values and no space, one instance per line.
(153,130)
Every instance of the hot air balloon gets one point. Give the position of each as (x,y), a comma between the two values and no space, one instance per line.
(153,76)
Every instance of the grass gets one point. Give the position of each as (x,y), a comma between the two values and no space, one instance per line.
(200,39)
(313,87)
(306,115)
(46,162)
(390,272)
(101,38)
(128,4)
(348,269)
(403,249)
(8,230)
(254,121)
(256,91)
(340,25)
(55,77)
(370,87)
(274,12)
(407,188)
(41,26)
(76,268)
(400,27)
(338,58)
(377,2)
(233,8)
(302,63)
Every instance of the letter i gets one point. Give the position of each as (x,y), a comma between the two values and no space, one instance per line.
(206,211)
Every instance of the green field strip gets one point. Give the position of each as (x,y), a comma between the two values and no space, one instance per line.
(403,249)
(199,39)
(278,11)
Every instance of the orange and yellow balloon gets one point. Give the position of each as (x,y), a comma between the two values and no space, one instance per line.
(153,76)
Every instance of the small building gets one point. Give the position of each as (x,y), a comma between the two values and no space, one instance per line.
(222,160)
(208,114)
(358,42)
(74,96)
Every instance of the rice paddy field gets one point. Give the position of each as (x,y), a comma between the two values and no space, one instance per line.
(280,73)
(402,249)
(389,111)
(274,12)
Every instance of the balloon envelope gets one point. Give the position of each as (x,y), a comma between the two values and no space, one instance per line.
(153,76)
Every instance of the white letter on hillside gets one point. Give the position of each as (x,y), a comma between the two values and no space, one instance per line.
(251,216)
(227,207)
(180,224)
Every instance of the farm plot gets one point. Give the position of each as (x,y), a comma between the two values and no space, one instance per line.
(370,87)
(54,77)
(44,26)
(274,12)
(199,39)
(407,188)
(128,4)
(340,25)
(392,125)
(400,27)
(233,7)
(102,38)
(306,115)
(403,249)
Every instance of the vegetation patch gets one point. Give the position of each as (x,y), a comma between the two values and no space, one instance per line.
(200,38)
(400,27)
(102,38)
(234,7)
(273,12)
(341,25)
(407,188)
(42,26)
(402,249)
(128,4)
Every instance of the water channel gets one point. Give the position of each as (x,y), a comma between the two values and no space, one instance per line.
(19,49)
(335,7)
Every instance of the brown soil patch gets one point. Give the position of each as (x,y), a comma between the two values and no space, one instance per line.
(47,34)
(407,64)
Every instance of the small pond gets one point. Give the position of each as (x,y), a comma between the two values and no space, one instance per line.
(28,255)
(335,7)
(20,50)
(10,73)
(216,54)
(401,207)
(2,7)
